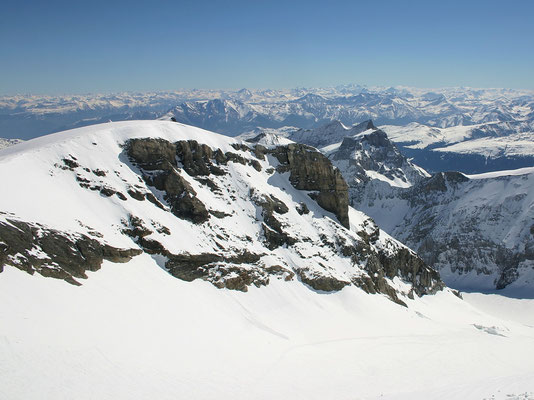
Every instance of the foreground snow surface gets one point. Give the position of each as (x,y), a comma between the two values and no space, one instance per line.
(132,331)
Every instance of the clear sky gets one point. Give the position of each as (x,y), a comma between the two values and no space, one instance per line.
(51,47)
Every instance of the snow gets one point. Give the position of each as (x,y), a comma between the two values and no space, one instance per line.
(395,182)
(8,142)
(27,170)
(134,332)
(495,174)
(499,139)
(511,145)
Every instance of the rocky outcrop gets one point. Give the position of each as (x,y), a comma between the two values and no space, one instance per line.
(168,167)
(310,170)
(49,252)
(236,272)
(157,159)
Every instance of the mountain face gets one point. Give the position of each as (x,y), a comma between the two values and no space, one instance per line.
(370,163)
(476,230)
(328,134)
(204,206)
(236,112)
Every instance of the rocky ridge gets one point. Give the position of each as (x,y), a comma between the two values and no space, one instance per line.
(245,214)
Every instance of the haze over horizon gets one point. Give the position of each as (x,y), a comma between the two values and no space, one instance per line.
(63,47)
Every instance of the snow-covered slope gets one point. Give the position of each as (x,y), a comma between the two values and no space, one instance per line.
(132,332)
(204,205)
(8,142)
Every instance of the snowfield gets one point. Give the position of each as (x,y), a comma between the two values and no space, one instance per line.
(132,331)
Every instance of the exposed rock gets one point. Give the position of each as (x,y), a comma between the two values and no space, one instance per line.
(219,214)
(160,156)
(438,182)
(35,248)
(99,172)
(195,158)
(222,271)
(70,163)
(321,282)
(268,202)
(152,154)
(303,209)
(312,171)
(405,264)
(136,194)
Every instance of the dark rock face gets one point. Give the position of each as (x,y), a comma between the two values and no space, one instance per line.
(159,157)
(310,170)
(403,263)
(161,161)
(320,282)
(382,265)
(439,181)
(35,248)
(222,271)
(152,154)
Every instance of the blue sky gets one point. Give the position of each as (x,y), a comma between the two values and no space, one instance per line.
(96,46)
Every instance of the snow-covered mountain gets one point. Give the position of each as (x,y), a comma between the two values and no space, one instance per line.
(206,206)
(236,112)
(476,230)
(192,265)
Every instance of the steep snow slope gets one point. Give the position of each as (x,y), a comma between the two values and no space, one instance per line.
(134,332)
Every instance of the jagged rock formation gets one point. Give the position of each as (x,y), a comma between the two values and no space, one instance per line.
(208,207)
(310,170)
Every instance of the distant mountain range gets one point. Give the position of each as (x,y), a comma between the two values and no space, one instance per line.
(472,130)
